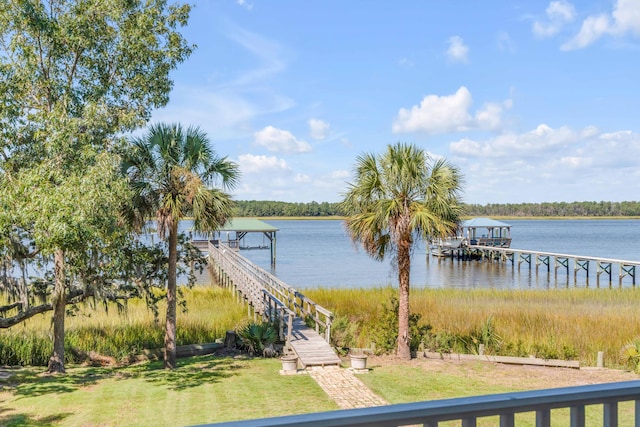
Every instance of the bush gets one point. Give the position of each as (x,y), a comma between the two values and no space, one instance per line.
(385,329)
(256,337)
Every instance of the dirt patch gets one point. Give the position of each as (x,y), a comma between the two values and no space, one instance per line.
(529,377)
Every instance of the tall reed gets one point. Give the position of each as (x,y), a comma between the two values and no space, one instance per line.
(549,323)
(210,312)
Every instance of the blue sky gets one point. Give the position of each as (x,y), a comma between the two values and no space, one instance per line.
(534,101)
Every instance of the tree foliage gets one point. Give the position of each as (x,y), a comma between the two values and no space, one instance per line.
(174,173)
(396,197)
(73,76)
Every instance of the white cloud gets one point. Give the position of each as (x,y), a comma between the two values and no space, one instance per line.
(301,178)
(318,129)
(623,20)
(547,163)
(558,13)
(592,29)
(457,51)
(250,163)
(505,43)
(278,140)
(245,4)
(538,141)
(449,113)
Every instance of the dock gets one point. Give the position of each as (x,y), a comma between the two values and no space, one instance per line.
(270,299)
(562,263)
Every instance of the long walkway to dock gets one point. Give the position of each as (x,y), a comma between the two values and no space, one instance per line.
(561,262)
(272,299)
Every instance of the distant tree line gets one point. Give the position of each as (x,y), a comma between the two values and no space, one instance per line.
(262,208)
(586,209)
(272,208)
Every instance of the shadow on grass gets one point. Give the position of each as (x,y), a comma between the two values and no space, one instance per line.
(191,372)
(31,383)
(15,420)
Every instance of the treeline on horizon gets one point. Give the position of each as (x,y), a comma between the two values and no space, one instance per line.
(266,208)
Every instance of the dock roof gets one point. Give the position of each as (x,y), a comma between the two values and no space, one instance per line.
(247,225)
(483,222)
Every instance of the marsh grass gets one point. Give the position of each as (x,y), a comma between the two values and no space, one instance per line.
(211,311)
(549,323)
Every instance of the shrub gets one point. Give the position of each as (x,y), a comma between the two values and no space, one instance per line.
(256,337)
(343,333)
(385,329)
(630,354)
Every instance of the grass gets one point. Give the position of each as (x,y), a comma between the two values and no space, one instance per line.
(211,389)
(404,384)
(551,323)
(211,311)
(202,390)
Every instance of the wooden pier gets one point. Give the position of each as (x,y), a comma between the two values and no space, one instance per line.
(560,262)
(273,300)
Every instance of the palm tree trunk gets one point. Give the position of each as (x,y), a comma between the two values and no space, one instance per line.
(404,269)
(56,361)
(170,331)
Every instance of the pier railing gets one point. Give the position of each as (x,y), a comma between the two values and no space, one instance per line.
(469,410)
(561,261)
(264,292)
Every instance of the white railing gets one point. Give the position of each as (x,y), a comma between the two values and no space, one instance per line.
(468,410)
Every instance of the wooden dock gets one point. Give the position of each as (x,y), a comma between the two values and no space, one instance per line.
(561,262)
(310,347)
(271,299)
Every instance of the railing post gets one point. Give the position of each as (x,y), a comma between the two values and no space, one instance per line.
(543,418)
(610,414)
(507,420)
(577,416)
(469,422)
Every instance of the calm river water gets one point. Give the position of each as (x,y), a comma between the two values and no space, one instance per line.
(318,253)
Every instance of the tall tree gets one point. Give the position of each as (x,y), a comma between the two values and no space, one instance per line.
(74,74)
(395,198)
(175,173)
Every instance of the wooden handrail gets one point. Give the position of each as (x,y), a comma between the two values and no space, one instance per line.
(252,281)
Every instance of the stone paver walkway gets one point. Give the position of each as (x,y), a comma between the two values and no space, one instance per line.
(344,388)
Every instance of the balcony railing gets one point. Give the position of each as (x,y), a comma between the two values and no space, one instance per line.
(468,410)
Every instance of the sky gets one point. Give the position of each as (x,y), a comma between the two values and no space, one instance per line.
(533,101)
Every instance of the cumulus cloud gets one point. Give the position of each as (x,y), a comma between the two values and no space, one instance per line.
(457,51)
(545,163)
(592,29)
(250,163)
(318,129)
(449,113)
(537,141)
(278,140)
(559,13)
(623,20)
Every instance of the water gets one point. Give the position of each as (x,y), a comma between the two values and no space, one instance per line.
(313,253)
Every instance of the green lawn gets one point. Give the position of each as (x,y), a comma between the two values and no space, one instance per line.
(202,390)
(214,389)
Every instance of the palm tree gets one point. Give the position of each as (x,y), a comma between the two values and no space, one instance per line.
(397,197)
(174,174)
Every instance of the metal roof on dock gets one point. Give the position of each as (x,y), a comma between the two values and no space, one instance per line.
(483,222)
(247,225)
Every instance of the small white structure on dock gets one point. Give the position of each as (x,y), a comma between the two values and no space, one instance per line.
(473,232)
(486,232)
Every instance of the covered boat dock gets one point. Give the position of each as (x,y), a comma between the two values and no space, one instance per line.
(234,230)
